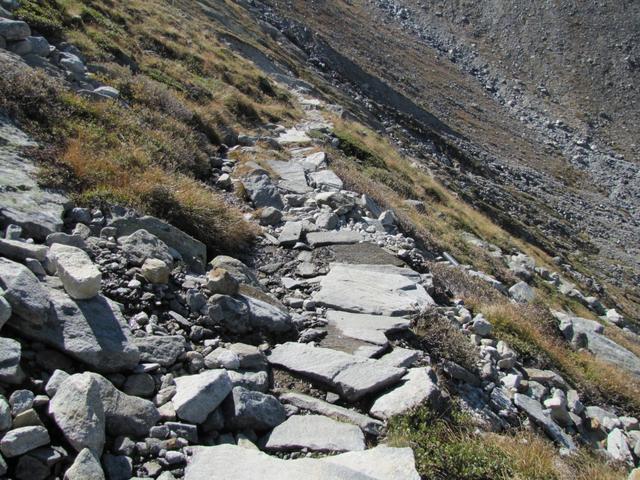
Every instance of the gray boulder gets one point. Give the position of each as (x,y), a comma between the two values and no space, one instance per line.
(28,298)
(291,234)
(14,29)
(261,190)
(315,433)
(193,251)
(92,331)
(21,251)
(22,440)
(164,350)
(534,410)
(237,269)
(85,466)
(141,245)
(198,395)
(247,409)
(522,292)
(80,277)
(10,353)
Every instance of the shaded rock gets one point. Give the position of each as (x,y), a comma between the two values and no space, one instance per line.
(261,190)
(10,354)
(367,424)
(220,281)
(141,245)
(246,409)
(164,350)
(419,386)
(373,289)
(351,376)
(28,298)
(198,395)
(327,221)
(316,433)
(291,234)
(14,29)
(92,331)
(193,251)
(533,409)
(270,216)
(401,357)
(22,440)
(117,467)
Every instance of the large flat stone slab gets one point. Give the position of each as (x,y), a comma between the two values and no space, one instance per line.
(333,237)
(534,410)
(93,331)
(22,202)
(379,463)
(364,253)
(326,179)
(351,376)
(367,424)
(292,176)
(420,386)
(315,433)
(366,327)
(374,289)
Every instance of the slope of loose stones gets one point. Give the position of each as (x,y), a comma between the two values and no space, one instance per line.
(315,433)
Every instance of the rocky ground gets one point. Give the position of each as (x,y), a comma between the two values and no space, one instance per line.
(127,354)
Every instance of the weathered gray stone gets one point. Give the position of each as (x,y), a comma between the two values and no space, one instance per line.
(164,350)
(57,378)
(292,177)
(92,331)
(522,292)
(237,269)
(85,466)
(334,237)
(379,463)
(270,216)
(20,401)
(5,415)
(326,179)
(78,411)
(420,386)
(258,381)
(193,251)
(5,309)
(618,448)
(533,409)
(14,29)
(247,409)
(365,327)
(10,353)
(141,245)
(315,433)
(139,385)
(28,298)
(156,271)
(261,190)
(22,440)
(265,316)
(117,467)
(66,239)
(220,281)
(458,372)
(250,357)
(80,277)
(374,289)
(352,377)
(291,234)
(198,395)
(401,357)
(20,251)
(327,221)
(315,161)
(367,424)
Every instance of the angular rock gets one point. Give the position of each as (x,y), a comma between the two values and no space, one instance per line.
(373,289)
(155,271)
(10,354)
(261,190)
(220,281)
(258,381)
(78,411)
(21,251)
(5,309)
(522,292)
(57,378)
(14,29)
(617,446)
(420,386)
(28,298)
(85,466)
(534,410)
(401,357)
(247,409)
(92,331)
(141,245)
(315,433)
(250,357)
(292,177)
(290,234)
(80,277)
(22,440)
(117,467)
(313,162)
(305,402)
(270,216)
(193,251)
(334,237)
(265,316)
(198,395)
(368,328)
(327,221)
(326,179)
(237,269)
(164,350)
(352,377)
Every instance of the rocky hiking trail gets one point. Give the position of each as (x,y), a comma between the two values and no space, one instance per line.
(126,355)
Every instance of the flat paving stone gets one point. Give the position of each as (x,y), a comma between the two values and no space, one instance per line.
(365,327)
(292,176)
(333,237)
(351,376)
(315,433)
(374,289)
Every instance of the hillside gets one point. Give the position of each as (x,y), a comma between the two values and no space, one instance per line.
(334,239)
